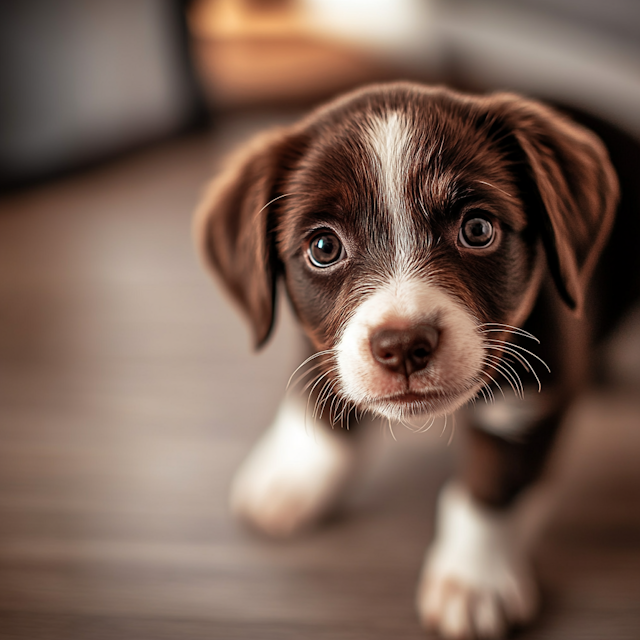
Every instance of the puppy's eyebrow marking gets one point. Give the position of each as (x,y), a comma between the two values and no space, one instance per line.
(494,186)
(389,137)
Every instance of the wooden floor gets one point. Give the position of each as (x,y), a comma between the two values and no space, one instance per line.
(128,395)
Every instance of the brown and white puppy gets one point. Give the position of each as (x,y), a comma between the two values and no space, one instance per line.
(417,231)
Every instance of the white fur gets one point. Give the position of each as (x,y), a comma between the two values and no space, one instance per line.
(475,581)
(403,303)
(389,138)
(294,474)
(511,417)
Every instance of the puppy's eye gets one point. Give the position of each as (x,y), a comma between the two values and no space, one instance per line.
(476,233)
(325,249)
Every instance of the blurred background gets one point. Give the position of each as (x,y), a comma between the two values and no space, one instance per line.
(128,393)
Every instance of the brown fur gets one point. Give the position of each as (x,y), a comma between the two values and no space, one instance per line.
(545,182)
(558,168)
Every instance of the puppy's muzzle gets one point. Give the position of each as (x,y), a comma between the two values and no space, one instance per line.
(404,351)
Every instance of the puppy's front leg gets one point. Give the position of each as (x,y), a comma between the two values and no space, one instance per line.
(476,580)
(295,473)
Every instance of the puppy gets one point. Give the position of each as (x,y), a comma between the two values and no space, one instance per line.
(425,238)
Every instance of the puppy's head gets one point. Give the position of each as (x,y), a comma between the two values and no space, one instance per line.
(404,221)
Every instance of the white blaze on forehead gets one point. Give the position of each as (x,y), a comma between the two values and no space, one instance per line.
(390,137)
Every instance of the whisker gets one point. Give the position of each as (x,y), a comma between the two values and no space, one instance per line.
(482,390)
(328,383)
(504,363)
(349,410)
(424,428)
(344,407)
(518,330)
(486,388)
(342,413)
(494,382)
(506,347)
(311,357)
(521,348)
(317,378)
(517,333)
(393,435)
(513,357)
(284,195)
(444,428)
(329,394)
(496,363)
(333,409)
(453,429)
(516,375)
(317,382)
(494,186)
(303,375)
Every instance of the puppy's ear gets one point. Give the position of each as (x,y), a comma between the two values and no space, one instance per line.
(575,186)
(234,231)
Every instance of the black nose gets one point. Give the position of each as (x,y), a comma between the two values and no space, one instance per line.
(404,350)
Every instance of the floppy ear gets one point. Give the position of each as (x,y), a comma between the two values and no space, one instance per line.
(575,186)
(233,229)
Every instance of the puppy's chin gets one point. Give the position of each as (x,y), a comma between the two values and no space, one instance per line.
(410,406)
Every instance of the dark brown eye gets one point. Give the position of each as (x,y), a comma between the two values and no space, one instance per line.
(325,249)
(476,233)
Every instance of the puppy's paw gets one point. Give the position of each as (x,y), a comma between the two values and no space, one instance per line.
(475,582)
(294,474)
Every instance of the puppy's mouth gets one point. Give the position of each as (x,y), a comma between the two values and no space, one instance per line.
(408,404)
(411,397)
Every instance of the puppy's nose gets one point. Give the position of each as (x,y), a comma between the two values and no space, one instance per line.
(404,350)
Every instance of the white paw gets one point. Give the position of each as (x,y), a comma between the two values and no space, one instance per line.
(475,582)
(294,474)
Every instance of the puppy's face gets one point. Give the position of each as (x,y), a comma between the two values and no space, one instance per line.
(409,226)
(404,233)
